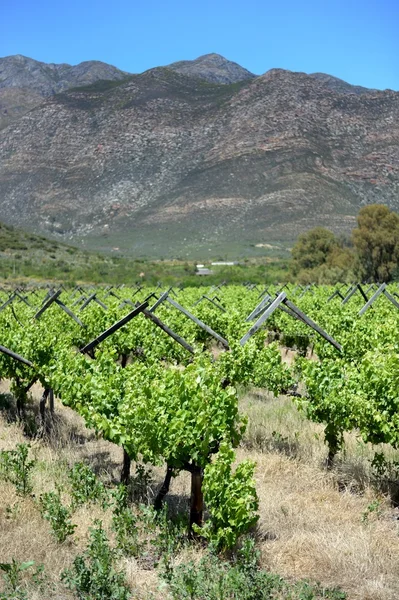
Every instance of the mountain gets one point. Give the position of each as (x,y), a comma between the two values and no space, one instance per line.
(24,82)
(213,68)
(166,164)
(47,79)
(338,85)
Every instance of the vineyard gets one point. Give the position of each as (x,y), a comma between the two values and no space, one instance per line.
(161,374)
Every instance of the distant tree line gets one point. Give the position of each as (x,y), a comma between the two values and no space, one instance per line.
(370,254)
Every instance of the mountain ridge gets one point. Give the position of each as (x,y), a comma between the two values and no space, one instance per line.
(270,155)
(162,156)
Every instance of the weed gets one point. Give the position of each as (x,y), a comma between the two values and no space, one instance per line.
(57,515)
(216,579)
(11,576)
(93,574)
(124,524)
(85,486)
(16,468)
(141,483)
(373,508)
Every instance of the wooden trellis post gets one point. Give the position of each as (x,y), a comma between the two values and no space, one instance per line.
(334,294)
(16,356)
(381,290)
(165,297)
(198,322)
(93,298)
(103,336)
(259,308)
(270,309)
(294,311)
(55,298)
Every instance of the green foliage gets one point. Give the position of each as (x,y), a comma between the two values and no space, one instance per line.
(140,483)
(318,256)
(169,406)
(256,364)
(124,524)
(213,578)
(11,572)
(376,240)
(58,515)
(85,486)
(230,498)
(93,574)
(312,248)
(383,468)
(373,508)
(16,468)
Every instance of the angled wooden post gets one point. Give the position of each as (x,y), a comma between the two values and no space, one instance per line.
(137,291)
(265,291)
(290,313)
(9,301)
(87,301)
(111,293)
(372,299)
(124,302)
(214,303)
(79,300)
(168,330)
(47,304)
(22,298)
(15,356)
(91,345)
(359,287)
(69,312)
(306,289)
(391,298)
(349,295)
(161,299)
(197,321)
(93,298)
(270,309)
(336,293)
(258,308)
(312,324)
(198,301)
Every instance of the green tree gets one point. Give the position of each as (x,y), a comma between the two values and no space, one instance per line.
(376,240)
(312,248)
(320,257)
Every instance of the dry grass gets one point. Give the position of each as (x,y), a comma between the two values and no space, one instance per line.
(26,536)
(331,527)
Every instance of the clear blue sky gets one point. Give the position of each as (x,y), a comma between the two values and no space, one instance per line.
(357,40)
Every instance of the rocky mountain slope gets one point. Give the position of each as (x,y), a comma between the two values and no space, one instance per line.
(24,82)
(338,85)
(213,68)
(166,163)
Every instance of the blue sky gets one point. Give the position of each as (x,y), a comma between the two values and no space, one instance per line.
(352,39)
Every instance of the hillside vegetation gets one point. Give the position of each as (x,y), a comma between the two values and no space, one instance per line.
(25,256)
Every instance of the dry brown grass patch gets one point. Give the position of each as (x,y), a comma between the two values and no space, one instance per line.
(332,527)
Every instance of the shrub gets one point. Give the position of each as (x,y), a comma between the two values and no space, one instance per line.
(93,575)
(57,515)
(16,468)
